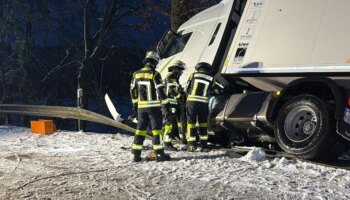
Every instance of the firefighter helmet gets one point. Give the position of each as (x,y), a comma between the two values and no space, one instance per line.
(177,65)
(152,55)
(203,65)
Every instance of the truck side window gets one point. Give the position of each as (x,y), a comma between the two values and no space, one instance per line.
(214,35)
(177,45)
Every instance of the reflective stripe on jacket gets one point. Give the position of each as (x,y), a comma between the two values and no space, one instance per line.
(198,87)
(173,89)
(147,88)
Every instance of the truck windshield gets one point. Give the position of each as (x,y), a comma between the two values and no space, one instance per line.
(172,43)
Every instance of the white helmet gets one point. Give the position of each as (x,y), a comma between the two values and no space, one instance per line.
(152,55)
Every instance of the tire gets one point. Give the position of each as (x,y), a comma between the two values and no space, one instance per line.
(305,128)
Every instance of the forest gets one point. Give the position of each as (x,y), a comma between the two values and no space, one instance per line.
(50,48)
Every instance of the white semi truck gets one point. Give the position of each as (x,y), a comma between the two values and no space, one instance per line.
(285,65)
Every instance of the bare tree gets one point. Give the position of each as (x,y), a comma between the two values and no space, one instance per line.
(182,10)
(95,37)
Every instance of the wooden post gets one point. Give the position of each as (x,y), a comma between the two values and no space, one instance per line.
(80,124)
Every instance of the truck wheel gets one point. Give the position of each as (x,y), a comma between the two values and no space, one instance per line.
(305,127)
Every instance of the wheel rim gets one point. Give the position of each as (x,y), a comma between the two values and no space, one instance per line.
(301,123)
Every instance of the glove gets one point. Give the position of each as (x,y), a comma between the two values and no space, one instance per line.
(133,114)
(215,91)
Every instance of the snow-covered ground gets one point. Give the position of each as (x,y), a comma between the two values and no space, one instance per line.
(74,165)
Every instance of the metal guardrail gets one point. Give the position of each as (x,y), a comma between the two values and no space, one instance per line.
(62,112)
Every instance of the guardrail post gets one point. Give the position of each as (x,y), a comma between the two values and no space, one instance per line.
(80,124)
(6,119)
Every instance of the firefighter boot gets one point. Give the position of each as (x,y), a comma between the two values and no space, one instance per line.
(137,155)
(203,147)
(191,147)
(169,146)
(161,156)
(184,147)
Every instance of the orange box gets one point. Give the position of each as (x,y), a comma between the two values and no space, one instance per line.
(43,127)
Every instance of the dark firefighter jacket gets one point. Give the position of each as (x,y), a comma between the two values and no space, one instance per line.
(147,88)
(173,89)
(198,86)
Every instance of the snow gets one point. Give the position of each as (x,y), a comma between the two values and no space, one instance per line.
(76,165)
(256,154)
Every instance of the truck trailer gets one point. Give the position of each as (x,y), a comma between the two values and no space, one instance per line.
(285,67)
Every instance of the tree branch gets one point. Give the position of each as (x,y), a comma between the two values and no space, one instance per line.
(81,3)
(110,10)
(59,66)
(63,174)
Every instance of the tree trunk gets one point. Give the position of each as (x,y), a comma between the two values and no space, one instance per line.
(86,65)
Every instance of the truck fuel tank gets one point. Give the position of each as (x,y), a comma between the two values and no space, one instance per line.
(244,111)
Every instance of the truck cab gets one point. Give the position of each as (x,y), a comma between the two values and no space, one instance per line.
(285,66)
(203,38)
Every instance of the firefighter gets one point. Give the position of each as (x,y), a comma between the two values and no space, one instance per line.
(197,110)
(172,113)
(147,93)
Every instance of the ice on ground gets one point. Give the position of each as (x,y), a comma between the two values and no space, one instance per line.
(76,165)
(256,154)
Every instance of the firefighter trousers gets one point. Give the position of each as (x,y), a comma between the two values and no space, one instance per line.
(144,117)
(197,112)
(172,119)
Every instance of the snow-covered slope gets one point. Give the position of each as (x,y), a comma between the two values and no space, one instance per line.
(75,165)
